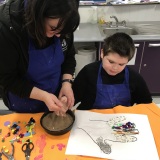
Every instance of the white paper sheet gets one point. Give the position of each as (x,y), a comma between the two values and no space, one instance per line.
(91,127)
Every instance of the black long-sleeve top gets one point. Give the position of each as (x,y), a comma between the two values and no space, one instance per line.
(84,85)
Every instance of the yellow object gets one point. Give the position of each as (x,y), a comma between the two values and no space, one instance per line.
(17,137)
(5,150)
(101,21)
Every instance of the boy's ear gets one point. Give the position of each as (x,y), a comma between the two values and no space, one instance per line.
(102,55)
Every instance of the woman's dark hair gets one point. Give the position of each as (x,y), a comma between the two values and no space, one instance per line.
(119,43)
(37,10)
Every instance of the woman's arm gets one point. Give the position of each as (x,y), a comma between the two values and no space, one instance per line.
(68,68)
(12,65)
(49,99)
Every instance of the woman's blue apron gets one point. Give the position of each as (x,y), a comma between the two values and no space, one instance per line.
(109,96)
(44,72)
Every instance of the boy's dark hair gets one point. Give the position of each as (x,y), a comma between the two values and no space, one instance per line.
(120,43)
(37,10)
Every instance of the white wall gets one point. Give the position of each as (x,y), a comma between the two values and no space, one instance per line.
(130,13)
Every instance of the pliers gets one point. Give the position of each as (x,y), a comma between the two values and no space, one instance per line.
(0,156)
(9,156)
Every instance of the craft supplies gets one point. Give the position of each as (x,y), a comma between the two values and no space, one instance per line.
(27,149)
(5,152)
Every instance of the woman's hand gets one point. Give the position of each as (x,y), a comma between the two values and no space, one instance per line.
(54,104)
(67,91)
(51,101)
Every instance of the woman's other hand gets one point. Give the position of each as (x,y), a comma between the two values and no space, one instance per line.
(64,102)
(67,91)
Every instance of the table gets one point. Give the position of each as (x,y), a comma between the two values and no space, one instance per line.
(48,147)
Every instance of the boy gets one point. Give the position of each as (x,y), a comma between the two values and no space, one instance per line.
(109,82)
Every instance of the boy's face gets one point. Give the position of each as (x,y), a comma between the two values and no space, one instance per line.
(113,63)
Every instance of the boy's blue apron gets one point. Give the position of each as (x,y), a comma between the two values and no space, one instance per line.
(44,72)
(109,96)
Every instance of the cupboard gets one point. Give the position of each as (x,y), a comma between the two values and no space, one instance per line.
(147,63)
(150,65)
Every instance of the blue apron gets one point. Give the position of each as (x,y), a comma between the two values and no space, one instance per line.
(108,96)
(44,72)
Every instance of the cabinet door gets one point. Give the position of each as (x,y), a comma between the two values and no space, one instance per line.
(150,67)
(136,60)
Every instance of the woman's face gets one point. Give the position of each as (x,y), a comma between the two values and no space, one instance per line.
(113,63)
(50,25)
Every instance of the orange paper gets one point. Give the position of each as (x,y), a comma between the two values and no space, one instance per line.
(49,147)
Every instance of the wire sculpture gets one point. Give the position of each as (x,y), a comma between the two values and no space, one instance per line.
(103,145)
(123,133)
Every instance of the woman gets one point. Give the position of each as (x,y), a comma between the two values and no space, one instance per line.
(109,82)
(37,53)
